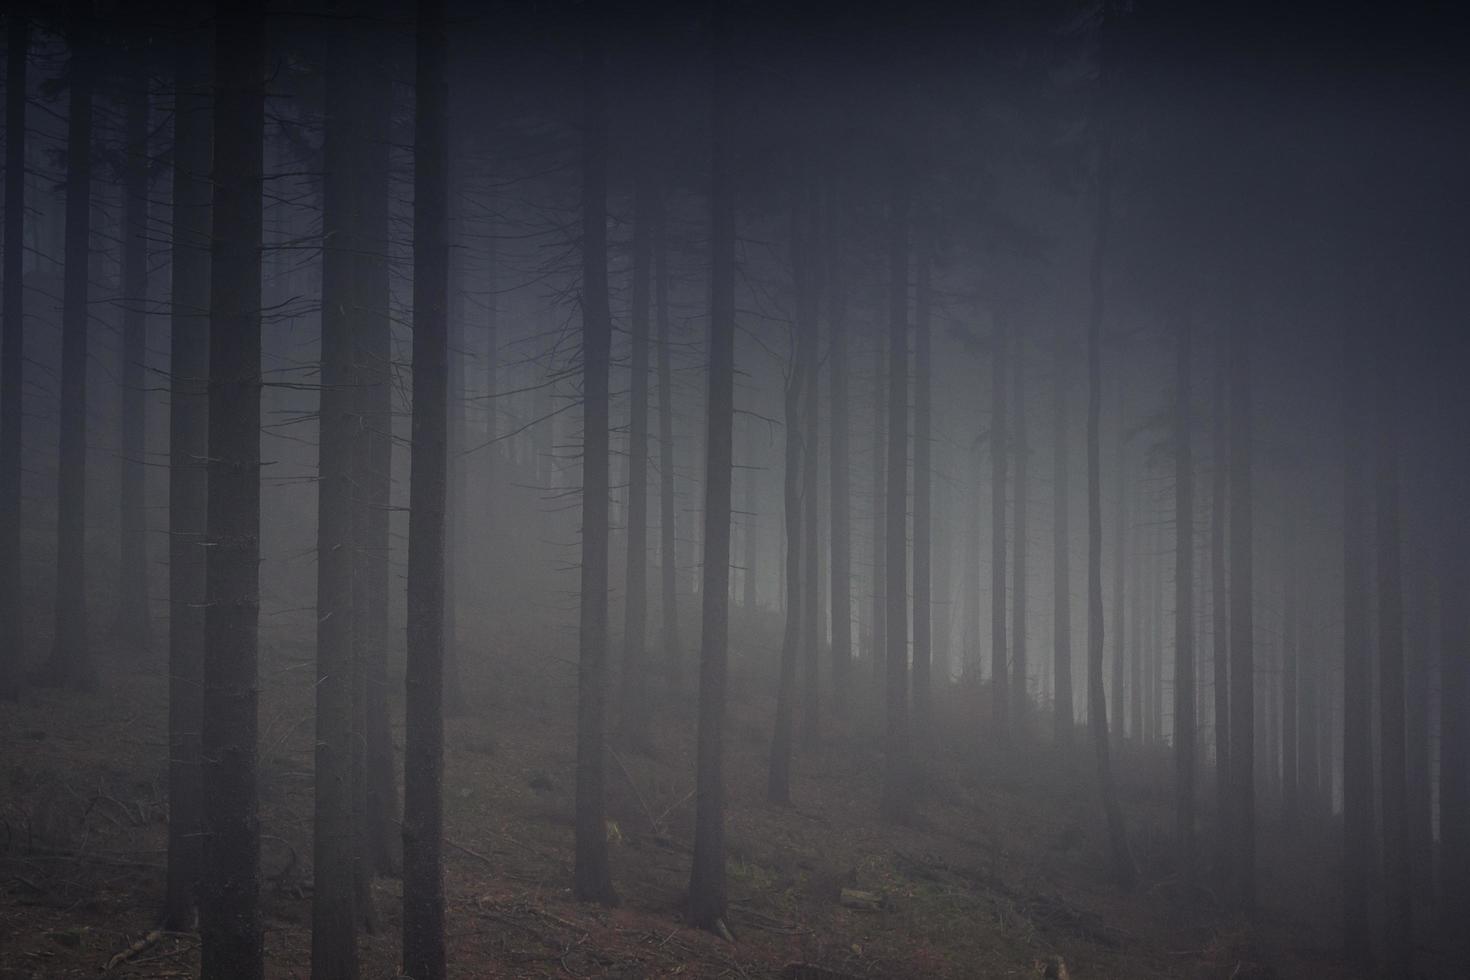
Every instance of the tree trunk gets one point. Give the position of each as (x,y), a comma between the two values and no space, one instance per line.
(809,300)
(839,458)
(1242,624)
(973,668)
(707,879)
(633,718)
(923,498)
(1124,870)
(1184,693)
(187,475)
(999,440)
(71,663)
(229,893)
(423,755)
(1021,682)
(1397,869)
(668,556)
(1220,603)
(12,357)
(593,880)
(897,784)
(1357,749)
(334,856)
(1062,707)
(750,595)
(800,483)
(1120,578)
(879,630)
(373,466)
(1290,686)
(132,612)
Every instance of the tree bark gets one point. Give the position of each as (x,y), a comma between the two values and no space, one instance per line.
(423,778)
(71,663)
(1120,579)
(229,899)
(12,358)
(808,323)
(593,880)
(187,474)
(707,879)
(1124,870)
(132,611)
(923,498)
(1020,682)
(1220,601)
(668,556)
(1184,685)
(1063,719)
(840,484)
(1242,628)
(1000,668)
(633,718)
(897,781)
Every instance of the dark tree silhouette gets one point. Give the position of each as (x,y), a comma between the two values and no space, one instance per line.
(71,663)
(334,854)
(707,879)
(12,354)
(923,494)
(1020,682)
(593,880)
(188,502)
(423,755)
(673,656)
(633,718)
(1000,665)
(1184,684)
(1063,719)
(897,781)
(1220,601)
(1242,642)
(229,895)
(840,459)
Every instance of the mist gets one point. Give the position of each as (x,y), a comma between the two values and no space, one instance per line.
(734,489)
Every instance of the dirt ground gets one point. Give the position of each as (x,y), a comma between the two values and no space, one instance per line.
(1001,871)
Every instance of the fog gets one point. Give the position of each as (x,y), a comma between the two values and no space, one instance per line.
(903,490)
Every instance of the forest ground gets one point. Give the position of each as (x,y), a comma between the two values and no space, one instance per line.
(1001,869)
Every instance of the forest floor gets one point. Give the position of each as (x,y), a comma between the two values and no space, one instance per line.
(1001,870)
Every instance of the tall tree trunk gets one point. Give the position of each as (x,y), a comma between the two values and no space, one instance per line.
(707,879)
(840,461)
(187,474)
(1124,870)
(633,718)
(373,463)
(1184,685)
(423,755)
(1397,870)
(1120,578)
(1137,689)
(1062,711)
(71,663)
(1020,683)
(334,854)
(999,440)
(1242,623)
(12,357)
(879,631)
(668,556)
(972,667)
(896,775)
(923,496)
(1220,603)
(800,486)
(593,880)
(1357,749)
(229,894)
(778,774)
(1418,779)
(809,300)
(750,593)
(132,612)
(1290,676)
